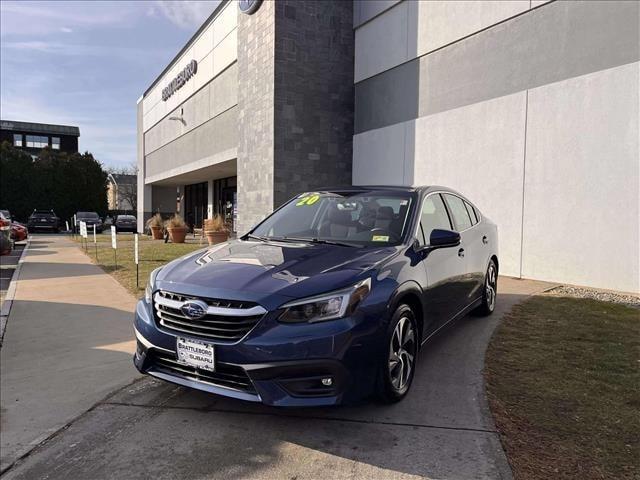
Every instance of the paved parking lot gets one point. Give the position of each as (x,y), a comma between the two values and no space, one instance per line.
(150,429)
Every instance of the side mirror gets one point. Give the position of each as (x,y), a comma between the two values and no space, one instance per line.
(444,238)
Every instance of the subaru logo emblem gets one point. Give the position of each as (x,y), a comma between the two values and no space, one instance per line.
(194,309)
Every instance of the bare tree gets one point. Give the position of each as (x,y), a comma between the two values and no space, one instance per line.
(127,192)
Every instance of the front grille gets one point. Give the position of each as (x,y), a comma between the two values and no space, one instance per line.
(228,320)
(226,375)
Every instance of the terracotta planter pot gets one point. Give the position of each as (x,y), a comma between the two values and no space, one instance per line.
(156,232)
(177,235)
(214,237)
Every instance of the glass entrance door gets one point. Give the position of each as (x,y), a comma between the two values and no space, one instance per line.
(226,200)
(195,204)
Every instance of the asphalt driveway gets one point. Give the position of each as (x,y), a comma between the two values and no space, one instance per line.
(151,429)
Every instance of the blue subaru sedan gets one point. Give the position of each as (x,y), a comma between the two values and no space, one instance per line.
(328,300)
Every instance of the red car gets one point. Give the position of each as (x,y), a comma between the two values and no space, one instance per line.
(19,232)
(6,244)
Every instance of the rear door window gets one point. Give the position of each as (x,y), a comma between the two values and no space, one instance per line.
(471,212)
(460,214)
(433,216)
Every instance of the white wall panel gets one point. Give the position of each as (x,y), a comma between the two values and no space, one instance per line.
(381,43)
(224,23)
(380,157)
(225,53)
(204,44)
(434,24)
(478,150)
(581,182)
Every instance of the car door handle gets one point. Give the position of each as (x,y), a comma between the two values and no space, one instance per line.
(461,252)
(485,240)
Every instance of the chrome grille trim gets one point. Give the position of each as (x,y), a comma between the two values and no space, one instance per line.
(162,298)
(236,321)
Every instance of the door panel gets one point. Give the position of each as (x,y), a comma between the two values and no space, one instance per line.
(445,269)
(446,274)
(464,224)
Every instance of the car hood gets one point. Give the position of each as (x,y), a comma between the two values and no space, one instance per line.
(254,270)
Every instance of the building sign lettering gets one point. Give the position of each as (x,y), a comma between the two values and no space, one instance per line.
(183,76)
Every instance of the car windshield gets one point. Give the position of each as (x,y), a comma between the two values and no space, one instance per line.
(91,215)
(126,217)
(352,218)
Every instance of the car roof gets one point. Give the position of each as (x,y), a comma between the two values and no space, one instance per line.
(368,188)
(390,188)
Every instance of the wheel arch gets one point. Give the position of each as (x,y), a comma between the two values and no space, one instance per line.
(411,294)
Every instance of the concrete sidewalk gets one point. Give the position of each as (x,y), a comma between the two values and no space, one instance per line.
(67,345)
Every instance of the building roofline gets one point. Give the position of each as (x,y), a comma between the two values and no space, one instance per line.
(215,12)
(34,127)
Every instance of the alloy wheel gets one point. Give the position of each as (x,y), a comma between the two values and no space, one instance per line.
(402,354)
(490,286)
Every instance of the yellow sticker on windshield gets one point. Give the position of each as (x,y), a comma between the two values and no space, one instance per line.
(380,238)
(309,200)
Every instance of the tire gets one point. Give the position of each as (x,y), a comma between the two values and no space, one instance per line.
(489,292)
(397,366)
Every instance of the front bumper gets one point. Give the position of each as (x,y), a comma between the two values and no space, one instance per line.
(276,364)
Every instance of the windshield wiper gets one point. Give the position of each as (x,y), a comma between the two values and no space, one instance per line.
(320,241)
(257,237)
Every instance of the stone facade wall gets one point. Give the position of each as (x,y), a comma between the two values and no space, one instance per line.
(314,95)
(256,35)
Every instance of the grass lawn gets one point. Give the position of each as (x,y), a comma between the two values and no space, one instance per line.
(152,254)
(563,381)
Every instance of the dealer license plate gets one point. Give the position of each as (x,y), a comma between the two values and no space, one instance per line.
(195,354)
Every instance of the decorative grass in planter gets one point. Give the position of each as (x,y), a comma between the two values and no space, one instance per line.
(156,225)
(177,229)
(216,230)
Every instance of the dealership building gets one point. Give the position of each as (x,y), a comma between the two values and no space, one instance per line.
(529,108)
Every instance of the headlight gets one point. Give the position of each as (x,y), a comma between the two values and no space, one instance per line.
(326,307)
(148,291)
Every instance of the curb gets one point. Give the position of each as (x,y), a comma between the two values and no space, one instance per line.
(11,293)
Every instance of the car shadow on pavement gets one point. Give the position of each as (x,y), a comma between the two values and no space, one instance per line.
(154,429)
(40,251)
(43,270)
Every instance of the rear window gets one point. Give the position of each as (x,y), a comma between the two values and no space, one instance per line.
(126,217)
(460,215)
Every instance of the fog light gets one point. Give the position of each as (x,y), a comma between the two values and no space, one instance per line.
(327,382)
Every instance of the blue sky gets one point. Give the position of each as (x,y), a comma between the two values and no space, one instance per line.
(86,63)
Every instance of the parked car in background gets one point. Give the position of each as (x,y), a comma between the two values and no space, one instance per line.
(126,223)
(6,244)
(7,214)
(43,220)
(327,300)
(19,232)
(91,219)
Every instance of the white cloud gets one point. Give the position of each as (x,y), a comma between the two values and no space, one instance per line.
(42,18)
(187,14)
(66,30)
